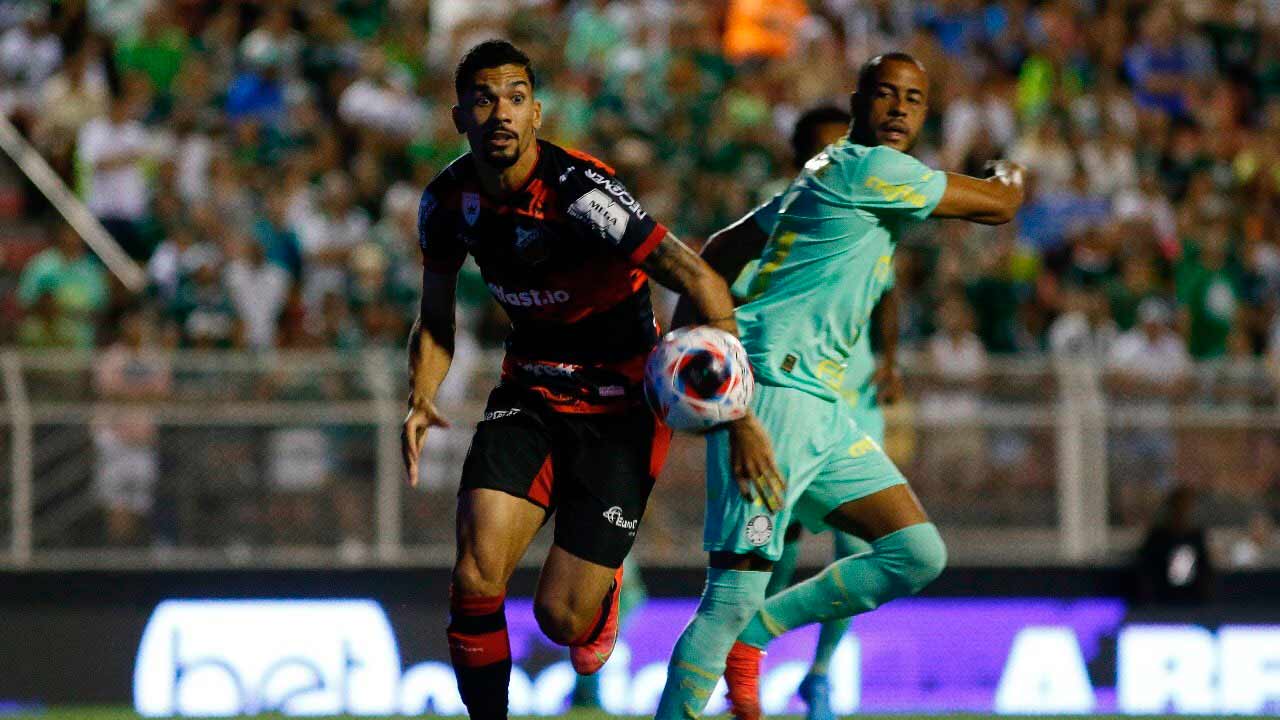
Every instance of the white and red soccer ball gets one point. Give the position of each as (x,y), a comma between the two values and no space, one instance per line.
(697,378)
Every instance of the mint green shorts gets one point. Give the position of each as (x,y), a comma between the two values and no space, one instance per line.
(826,459)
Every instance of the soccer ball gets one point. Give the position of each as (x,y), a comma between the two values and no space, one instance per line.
(698,378)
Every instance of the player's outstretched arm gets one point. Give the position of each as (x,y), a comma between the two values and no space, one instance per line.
(993,201)
(675,266)
(727,252)
(430,353)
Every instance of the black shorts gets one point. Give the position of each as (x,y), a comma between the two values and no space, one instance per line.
(597,470)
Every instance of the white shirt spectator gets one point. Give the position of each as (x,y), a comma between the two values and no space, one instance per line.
(1145,205)
(258,290)
(368,103)
(324,237)
(967,115)
(1162,360)
(120,192)
(114,18)
(27,60)
(954,360)
(1072,336)
(1110,166)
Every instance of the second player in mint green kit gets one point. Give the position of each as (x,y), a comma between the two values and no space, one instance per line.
(827,261)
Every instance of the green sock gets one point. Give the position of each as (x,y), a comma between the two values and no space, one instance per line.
(785,569)
(729,601)
(900,563)
(833,631)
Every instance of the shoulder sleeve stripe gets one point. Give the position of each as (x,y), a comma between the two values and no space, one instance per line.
(640,253)
(591,159)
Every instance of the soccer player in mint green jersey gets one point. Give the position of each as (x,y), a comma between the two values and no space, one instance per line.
(867,384)
(826,262)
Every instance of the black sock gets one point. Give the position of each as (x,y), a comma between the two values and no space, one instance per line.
(481,655)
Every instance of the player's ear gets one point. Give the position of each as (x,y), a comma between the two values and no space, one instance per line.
(537,114)
(458,124)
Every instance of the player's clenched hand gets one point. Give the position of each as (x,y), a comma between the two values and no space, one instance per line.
(888,382)
(422,415)
(751,455)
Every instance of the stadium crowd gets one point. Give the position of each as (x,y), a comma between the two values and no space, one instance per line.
(263,159)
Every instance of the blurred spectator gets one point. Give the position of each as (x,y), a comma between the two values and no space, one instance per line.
(71,98)
(29,54)
(328,235)
(258,291)
(1257,547)
(1173,566)
(274,232)
(66,289)
(114,18)
(157,48)
(1149,367)
(1085,329)
(114,149)
(132,370)
(380,100)
(952,407)
(46,326)
(1208,291)
(204,309)
(1160,64)
(175,261)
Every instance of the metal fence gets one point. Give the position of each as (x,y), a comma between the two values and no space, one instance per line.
(163,459)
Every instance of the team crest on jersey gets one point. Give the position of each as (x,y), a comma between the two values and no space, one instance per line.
(759,530)
(530,246)
(471,207)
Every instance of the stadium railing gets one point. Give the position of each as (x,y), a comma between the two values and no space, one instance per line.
(293,460)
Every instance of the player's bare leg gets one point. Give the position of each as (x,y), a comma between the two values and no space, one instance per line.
(494,530)
(577,605)
(571,593)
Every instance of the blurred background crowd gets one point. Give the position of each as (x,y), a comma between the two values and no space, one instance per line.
(263,160)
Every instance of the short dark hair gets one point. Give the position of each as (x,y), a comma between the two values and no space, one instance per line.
(489,54)
(870,70)
(802,136)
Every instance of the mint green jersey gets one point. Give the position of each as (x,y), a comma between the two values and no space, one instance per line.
(828,260)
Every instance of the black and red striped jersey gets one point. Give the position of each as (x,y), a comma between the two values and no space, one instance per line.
(562,256)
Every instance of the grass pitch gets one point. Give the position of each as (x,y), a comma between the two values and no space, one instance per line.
(122,713)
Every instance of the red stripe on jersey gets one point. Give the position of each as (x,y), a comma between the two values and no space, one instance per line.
(651,242)
(591,159)
(658,451)
(473,651)
(540,490)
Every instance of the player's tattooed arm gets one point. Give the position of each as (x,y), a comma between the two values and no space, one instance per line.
(727,252)
(675,266)
(993,201)
(430,353)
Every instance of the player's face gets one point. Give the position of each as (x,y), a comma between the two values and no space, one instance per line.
(896,106)
(499,115)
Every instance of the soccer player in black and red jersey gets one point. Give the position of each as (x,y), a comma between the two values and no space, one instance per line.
(568,252)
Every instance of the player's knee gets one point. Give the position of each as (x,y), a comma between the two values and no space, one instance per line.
(471,579)
(927,556)
(560,621)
